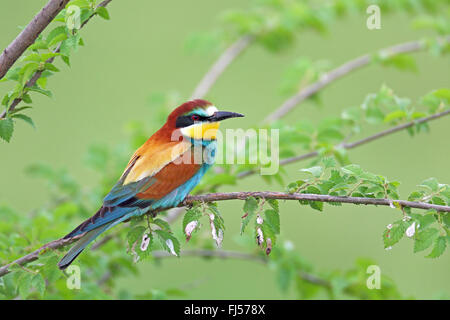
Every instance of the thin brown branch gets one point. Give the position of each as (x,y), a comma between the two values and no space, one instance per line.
(56,244)
(38,74)
(341,71)
(355,144)
(27,37)
(214,197)
(225,59)
(222,254)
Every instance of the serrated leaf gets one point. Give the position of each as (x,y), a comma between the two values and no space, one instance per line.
(316,205)
(395,234)
(443,93)
(329,162)
(272,217)
(41,91)
(440,245)
(135,234)
(51,67)
(400,61)
(57,39)
(274,204)
(38,44)
(250,207)
(103,12)
(164,225)
(36,57)
(315,171)
(352,169)
(425,238)
(6,129)
(24,284)
(66,59)
(193,214)
(430,183)
(38,283)
(46,56)
(395,115)
(25,118)
(169,242)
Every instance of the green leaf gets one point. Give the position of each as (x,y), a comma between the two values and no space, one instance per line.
(103,12)
(135,234)
(51,67)
(41,91)
(24,284)
(442,94)
(250,207)
(36,57)
(6,129)
(316,205)
(162,224)
(28,70)
(431,183)
(440,245)
(425,238)
(56,35)
(25,118)
(274,204)
(395,115)
(395,234)
(315,171)
(57,39)
(272,217)
(401,62)
(169,242)
(46,56)
(353,169)
(66,59)
(38,44)
(329,135)
(268,233)
(329,162)
(415,195)
(193,214)
(38,283)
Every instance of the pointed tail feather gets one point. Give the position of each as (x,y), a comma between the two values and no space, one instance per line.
(81,245)
(104,219)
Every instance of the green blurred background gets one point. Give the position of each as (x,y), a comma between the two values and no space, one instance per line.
(142,51)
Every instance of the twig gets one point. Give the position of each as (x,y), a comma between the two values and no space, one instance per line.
(228,56)
(222,254)
(38,74)
(355,144)
(56,244)
(341,71)
(214,197)
(27,37)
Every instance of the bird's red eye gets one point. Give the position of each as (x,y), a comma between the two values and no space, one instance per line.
(195,117)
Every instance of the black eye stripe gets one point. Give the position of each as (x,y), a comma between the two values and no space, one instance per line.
(186,121)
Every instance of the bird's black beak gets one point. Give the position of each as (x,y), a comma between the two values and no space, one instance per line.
(223,115)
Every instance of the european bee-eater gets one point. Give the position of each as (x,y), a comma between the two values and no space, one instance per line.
(160,174)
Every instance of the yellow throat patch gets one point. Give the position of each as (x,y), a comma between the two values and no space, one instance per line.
(205,131)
